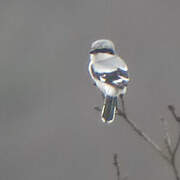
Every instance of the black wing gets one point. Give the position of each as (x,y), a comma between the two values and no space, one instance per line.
(118,78)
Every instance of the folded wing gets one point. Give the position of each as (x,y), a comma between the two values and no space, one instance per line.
(113,71)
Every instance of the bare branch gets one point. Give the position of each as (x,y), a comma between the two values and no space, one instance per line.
(174,152)
(171,157)
(117,166)
(176,148)
(177,119)
(97,108)
(167,138)
(175,170)
(140,132)
(172,110)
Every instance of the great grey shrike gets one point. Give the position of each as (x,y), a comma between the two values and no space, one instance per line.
(110,74)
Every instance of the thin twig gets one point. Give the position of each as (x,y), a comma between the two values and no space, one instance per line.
(172,110)
(176,148)
(141,133)
(167,138)
(117,166)
(174,167)
(174,152)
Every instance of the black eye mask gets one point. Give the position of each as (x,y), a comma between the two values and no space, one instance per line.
(104,50)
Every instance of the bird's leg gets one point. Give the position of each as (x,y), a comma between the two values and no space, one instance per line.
(102,96)
(122,103)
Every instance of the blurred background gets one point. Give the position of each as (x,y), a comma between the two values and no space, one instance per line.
(48,127)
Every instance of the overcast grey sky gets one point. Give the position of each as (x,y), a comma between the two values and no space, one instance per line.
(48,127)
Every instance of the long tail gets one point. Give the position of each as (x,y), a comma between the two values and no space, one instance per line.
(109,109)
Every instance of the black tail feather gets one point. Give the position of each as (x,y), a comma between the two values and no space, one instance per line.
(109,109)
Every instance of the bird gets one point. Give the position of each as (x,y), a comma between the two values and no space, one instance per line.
(110,74)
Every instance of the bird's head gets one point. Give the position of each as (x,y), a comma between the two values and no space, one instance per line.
(102,46)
